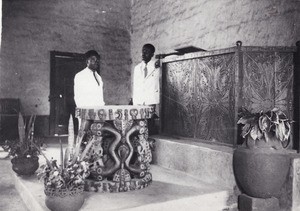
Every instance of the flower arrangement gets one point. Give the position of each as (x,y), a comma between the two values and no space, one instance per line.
(23,148)
(272,127)
(72,170)
(64,182)
(69,174)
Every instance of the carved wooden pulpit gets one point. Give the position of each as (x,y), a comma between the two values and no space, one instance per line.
(120,155)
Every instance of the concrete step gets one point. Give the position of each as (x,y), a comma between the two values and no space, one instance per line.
(170,189)
(208,162)
(10,199)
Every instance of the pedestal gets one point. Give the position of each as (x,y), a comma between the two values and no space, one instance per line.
(248,203)
(120,155)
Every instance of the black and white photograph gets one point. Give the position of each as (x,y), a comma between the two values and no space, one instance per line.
(149,105)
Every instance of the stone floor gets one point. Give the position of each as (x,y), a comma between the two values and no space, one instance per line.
(10,199)
(170,190)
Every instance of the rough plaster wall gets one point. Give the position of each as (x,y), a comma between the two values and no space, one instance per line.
(31,29)
(213,24)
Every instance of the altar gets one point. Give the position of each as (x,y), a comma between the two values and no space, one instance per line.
(120,154)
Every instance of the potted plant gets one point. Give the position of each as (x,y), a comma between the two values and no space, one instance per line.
(261,164)
(24,154)
(64,182)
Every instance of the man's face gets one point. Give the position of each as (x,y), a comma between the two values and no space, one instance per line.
(147,54)
(93,63)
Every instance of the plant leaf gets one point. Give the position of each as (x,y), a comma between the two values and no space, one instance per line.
(67,154)
(21,128)
(71,137)
(245,130)
(61,155)
(264,123)
(283,131)
(78,145)
(40,151)
(88,146)
(255,133)
(30,128)
(246,120)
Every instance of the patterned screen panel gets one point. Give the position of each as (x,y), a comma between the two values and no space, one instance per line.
(284,82)
(178,98)
(258,85)
(268,81)
(201,96)
(198,98)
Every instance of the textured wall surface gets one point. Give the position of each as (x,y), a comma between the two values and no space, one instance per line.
(31,29)
(213,24)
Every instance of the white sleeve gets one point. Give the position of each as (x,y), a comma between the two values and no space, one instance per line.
(101,94)
(134,88)
(77,89)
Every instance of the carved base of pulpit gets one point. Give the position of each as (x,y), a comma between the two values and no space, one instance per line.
(120,152)
(118,186)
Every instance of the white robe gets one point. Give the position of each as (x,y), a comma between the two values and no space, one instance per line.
(145,90)
(87,92)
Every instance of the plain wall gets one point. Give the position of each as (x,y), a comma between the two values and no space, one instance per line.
(31,29)
(213,24)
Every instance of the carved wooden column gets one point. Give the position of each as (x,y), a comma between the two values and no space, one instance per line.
(120,155)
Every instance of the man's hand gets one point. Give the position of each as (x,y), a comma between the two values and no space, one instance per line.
(157,64)
(130,102)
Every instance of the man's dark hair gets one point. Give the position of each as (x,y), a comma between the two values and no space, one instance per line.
(149,46)
(91,53)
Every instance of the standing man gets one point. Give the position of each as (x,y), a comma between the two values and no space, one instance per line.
(145,79)
(145,82)
(88,85)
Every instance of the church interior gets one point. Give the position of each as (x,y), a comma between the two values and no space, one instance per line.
(227,123)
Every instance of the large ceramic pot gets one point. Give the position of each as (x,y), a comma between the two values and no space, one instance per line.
(260,173)
(64,199)
(25,165)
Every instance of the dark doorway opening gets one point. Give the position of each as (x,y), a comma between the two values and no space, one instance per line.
(63,67)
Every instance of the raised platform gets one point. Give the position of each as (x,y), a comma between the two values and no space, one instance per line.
(212,163)
(207,162)
(169,190)
(187,175)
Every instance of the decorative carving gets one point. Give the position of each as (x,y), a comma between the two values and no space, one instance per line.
(116,113)
(91,114)
(120,155)
(126,114)
(110,114)
(102,114)
(142,113)
(52,192)
(195,91)
(116,186)
(133,113)
(216,84)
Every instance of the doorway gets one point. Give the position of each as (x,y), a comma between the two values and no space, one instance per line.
(63,67)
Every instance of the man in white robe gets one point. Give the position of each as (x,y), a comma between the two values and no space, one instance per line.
(145,79)
(88,85)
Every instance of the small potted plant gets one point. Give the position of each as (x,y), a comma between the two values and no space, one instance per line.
(261,164)
(64,182)
(24,154)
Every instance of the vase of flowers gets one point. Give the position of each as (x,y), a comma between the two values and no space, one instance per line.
(261,164)
(64,182)
(23,152)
